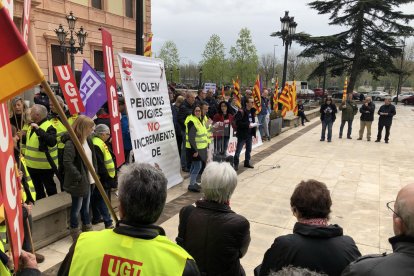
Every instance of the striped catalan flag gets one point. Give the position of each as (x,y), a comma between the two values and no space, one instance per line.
(276,96)
(257,98)
(18,69)
(345,89)
(294,105)
(236,93)
(284,97)
(148,47)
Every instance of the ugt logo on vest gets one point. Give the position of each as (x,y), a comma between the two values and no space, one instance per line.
(117,266)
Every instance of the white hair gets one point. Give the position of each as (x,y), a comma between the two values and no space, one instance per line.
(218,182)
(101,129)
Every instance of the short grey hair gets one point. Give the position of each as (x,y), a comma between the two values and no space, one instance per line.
(101,129)
(40,109)
(60,100)
(218,181)
(295,271)
(142,192)
(407,215)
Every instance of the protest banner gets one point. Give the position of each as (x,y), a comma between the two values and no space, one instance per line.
(256,142)
(10,187)
(69,89)
(92,90)
(116,131)
(26,20)
(150,116)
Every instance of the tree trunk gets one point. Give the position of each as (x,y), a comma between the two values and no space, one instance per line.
(355,70)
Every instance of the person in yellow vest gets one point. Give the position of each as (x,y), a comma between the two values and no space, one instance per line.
(60,131)
(196,145)
(28,196)
(106,173)
(41,152)
(136,246)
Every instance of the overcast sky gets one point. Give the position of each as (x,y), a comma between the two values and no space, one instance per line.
(190,23)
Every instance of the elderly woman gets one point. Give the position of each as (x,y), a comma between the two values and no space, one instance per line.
(211,232)
(18,111)
(78,180)
(314,244)
(106,173)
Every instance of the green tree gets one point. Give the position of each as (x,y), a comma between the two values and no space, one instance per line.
(169,53)
(244,58)
(213,60)
(370,41)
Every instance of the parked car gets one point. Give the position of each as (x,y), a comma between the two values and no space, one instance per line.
(319,93)
(402,96)
(409,100)
(377,95)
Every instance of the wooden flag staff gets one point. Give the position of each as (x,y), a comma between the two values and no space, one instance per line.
(79,147)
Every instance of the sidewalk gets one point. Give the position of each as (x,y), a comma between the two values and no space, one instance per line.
(362,176)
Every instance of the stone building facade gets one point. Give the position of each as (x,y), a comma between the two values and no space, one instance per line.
(117,16)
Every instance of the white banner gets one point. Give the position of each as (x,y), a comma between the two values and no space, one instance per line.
(149,112)
(256,142)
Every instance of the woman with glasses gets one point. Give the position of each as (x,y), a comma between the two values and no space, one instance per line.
(328,111)
(315,244)
(196,144)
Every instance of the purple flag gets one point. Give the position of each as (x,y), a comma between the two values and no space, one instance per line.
(92,90)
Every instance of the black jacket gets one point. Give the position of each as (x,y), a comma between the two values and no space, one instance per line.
(76,180)
(398,263)
(185,110)
(321,249)
(212,107)
(242,122)
(215,236)
(386,120)
(326,108)
(367,112)
(145,232)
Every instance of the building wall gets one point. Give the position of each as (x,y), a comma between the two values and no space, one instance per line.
(46,15)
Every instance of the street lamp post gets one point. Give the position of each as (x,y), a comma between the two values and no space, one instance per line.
(325,57)
(61,35)
(287,32)
(200,75)
(401,73)
(274,63)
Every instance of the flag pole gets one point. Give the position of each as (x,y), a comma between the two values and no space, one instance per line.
(79,147)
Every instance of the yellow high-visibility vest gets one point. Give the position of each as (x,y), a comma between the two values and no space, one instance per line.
(61,129)
(116,254)
(29,182)
(3,269)
(209,130)
(109,162)
(201,135)
(34,158)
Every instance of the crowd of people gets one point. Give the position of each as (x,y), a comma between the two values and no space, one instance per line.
(211,237)
(349,110)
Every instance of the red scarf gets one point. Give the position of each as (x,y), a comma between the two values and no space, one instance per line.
(315,221)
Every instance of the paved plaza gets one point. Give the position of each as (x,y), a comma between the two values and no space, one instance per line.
(362,177)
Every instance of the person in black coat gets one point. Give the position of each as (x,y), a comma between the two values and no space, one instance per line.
(401,261)
(244,120)
(301,112)
(314,244)
(367,116)
(386,112)
(328,111)
(218,253)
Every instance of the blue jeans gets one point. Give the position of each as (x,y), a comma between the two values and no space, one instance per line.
(341,128)
(240,144)
(80,205)
(99,208)
(194,170)
(325,124)
(264,126)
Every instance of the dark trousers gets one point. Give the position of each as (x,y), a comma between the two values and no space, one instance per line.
(240,143)
(43,180)
(99,208)
(302,116)
(387,131)
(61,170)
(27,219)
(341,128)
(179,139)
(326,124)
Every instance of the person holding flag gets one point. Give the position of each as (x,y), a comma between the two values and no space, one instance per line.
(349,110)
